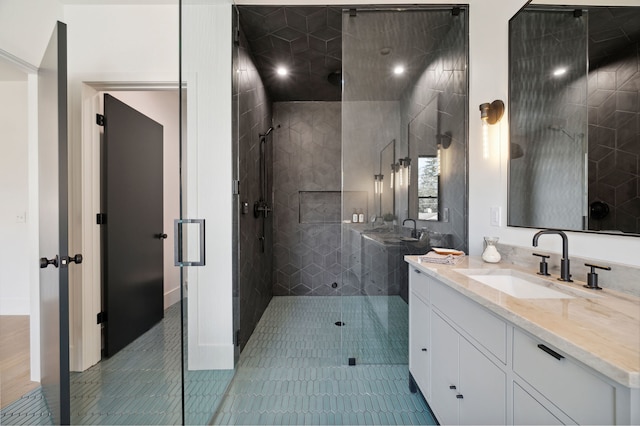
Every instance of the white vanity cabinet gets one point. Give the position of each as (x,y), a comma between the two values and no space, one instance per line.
(476,367)
(467,388)
(527,410)
(460,382)
(419,333)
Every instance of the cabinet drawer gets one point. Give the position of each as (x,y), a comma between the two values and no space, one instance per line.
(574,389)
(419,283)
(487,329)
(528,411)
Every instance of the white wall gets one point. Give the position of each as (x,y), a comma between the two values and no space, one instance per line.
(26,26)
(14,214)
(207,72)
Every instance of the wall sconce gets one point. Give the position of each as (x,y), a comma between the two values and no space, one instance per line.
(394,174)
(377,182)
(404,171)
(490,113)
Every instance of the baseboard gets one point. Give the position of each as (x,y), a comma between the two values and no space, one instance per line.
(171,297)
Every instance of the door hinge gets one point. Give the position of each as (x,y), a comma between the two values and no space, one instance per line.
(236,36)
(101,218)
(102,317)
(100,119)
(235,187)
(237,338)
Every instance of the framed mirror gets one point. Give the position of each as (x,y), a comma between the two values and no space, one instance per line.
(574,103)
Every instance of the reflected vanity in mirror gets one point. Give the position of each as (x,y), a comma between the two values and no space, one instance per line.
(574,101)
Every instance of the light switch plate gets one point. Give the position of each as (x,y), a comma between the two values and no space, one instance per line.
(495,216)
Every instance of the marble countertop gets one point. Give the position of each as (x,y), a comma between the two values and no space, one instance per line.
(599,328)
(387,236)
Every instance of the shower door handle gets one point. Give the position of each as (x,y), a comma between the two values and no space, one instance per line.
(194,242)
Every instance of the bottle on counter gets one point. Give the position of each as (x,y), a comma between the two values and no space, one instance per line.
(360,216)
(354,216)
(490,253)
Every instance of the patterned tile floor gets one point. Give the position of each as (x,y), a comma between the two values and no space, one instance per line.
(141,384)
(292,371)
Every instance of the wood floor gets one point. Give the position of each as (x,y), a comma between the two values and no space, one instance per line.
(14,358)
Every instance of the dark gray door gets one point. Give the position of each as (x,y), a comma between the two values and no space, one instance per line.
(133,235)
(53,240)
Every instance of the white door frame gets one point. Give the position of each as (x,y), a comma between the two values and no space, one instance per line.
(85,286)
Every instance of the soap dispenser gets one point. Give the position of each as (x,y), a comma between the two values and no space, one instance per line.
(490,253)
(360,216)
(354,216)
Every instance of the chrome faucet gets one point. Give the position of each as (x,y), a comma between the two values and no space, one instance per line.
(414,231)
(565,275)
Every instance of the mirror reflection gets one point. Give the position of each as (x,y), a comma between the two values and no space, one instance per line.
(427,144)
(384,180)
(574,119)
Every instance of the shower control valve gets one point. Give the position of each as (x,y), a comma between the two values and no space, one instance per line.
(261,208)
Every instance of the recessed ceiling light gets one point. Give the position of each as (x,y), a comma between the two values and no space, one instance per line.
(399,69)
(559,71)
(282,71)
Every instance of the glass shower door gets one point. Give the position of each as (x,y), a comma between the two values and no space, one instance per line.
(374,315)
(397,64)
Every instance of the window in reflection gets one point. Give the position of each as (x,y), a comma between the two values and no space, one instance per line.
(428,187)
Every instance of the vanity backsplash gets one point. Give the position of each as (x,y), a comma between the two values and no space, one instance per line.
(621,278)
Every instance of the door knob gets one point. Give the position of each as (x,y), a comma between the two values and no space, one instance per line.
(162,236)
(77,259)
(44,262)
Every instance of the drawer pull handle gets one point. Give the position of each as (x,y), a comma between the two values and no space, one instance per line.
(459,396)
(551,352)
(452,387)
(424,349)
(416,271)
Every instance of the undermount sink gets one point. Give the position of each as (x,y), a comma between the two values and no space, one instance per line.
(514,283)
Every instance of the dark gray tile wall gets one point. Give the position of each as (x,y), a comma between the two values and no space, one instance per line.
(614,122)
(307,157)
(254,264)
(445,82)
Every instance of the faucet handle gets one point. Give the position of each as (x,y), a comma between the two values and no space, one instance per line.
(592,277)
(543,264)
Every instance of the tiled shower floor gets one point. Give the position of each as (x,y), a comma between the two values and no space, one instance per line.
(292,371)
